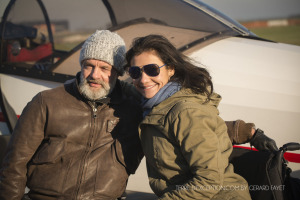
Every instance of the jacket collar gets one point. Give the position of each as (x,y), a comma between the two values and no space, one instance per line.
(158,113)
(157,116)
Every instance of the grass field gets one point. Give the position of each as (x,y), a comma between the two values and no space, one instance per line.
(283,34)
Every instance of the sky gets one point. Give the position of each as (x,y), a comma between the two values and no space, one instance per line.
(247,10)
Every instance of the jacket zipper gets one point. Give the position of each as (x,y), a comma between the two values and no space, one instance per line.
(94,116)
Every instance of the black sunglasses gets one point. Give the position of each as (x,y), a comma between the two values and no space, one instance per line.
(135,72)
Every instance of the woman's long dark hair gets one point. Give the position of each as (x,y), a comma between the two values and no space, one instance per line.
(187,74)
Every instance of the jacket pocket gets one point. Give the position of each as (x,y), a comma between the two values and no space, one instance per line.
(111,177)
(49,152)
(111,124)
(49,168)
(119,153)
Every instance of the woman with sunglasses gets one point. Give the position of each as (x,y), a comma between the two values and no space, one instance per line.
(184,140)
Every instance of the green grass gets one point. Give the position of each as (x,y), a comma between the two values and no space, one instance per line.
(283,34)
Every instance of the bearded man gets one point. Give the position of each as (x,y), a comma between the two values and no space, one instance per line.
(80,140)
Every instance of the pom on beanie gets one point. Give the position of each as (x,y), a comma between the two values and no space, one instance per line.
(105,46)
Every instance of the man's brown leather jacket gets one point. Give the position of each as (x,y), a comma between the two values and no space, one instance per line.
(65,147)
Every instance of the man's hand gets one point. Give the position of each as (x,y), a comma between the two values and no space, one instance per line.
(263,143)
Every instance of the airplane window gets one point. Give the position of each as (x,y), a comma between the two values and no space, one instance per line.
(41,34)
(182,23)
(47,34)
(173,13)
(3,4)
(74,24)
(25,36)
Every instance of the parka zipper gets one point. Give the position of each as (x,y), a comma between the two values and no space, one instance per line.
(89,144)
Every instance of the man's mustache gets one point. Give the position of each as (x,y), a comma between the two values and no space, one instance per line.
(100,82)
(95,81)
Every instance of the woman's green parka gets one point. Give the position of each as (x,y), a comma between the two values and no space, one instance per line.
(187,147)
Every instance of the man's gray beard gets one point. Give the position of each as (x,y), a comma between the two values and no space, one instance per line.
(102,92)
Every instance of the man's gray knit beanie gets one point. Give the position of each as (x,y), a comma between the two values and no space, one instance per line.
(105,46)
